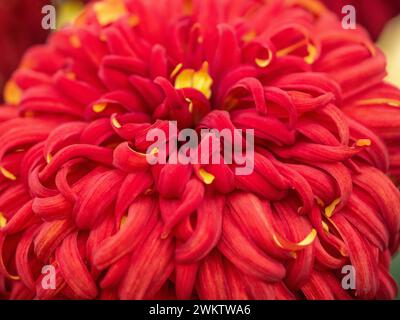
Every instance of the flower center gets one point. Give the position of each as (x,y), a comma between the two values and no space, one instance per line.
(199,80)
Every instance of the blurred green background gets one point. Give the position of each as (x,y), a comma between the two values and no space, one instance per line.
(396,272)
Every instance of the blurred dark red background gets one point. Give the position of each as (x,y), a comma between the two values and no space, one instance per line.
(372,14)
(20,27)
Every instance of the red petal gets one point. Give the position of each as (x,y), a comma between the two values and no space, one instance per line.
(74,270)
(207,232)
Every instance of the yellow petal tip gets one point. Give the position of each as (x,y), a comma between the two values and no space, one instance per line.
(75,41)
(3,220)
(207,177)
(12,93)
(176,70)
(49,157)
(99,107)
(123,221)
(325,226)
(331,208)
(309,239)
(263,63)
(115,123)
(190,105)
(133,20)
(249,36)
(312,54)
(363,143)
(7,174)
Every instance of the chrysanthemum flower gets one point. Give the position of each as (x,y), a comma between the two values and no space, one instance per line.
(77,194)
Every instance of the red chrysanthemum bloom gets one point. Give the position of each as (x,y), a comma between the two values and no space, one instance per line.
(372,14)
(77,193)
(20,27)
